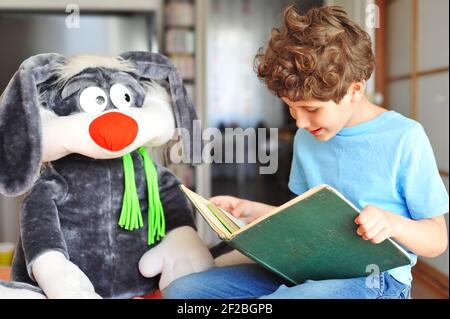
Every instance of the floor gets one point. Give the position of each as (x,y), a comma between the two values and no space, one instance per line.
(422,288)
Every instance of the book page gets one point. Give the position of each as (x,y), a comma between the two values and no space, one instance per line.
(201,205)
(236,220)
(222,217)
(222,222)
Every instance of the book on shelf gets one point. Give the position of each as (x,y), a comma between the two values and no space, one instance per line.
(313,236)
(180,41)
(180,13)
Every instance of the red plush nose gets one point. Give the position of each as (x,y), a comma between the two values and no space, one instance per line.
(113,131)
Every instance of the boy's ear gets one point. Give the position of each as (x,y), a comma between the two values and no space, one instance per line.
(357,90)
(154,66)
(20,125)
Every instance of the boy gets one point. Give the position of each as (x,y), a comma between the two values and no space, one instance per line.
(381,161)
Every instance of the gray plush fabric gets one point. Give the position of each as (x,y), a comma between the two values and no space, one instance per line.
(74,208)
(155,66)
(74,203)
(20,130)
(20,285)
(64,99)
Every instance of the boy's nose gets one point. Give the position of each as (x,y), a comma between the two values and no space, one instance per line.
(302,121)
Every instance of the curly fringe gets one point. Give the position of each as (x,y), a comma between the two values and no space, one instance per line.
(315,56)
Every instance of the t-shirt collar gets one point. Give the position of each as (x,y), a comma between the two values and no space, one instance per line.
(365,126)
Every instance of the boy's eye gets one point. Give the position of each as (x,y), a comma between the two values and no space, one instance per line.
(311,109)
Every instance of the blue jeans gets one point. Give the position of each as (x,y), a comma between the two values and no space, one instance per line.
(252,281)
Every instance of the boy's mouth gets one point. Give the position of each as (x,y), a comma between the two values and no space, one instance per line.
(316,132)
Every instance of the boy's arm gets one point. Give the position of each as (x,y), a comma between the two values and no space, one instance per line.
(425,237)
(234,257)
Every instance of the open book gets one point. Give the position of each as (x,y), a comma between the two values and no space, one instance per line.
(312,236)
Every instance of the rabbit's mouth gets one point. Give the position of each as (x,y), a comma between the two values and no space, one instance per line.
(113,131)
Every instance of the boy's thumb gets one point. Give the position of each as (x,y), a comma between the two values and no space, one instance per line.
(240,209)
(236,212)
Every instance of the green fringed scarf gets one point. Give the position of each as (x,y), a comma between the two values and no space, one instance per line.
(131,216)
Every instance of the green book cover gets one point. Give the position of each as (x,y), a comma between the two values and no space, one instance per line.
(311,237)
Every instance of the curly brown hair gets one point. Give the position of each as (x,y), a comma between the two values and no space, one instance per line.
(317,55)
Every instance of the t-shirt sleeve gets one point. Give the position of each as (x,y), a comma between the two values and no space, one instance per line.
(297,181)
(419,180)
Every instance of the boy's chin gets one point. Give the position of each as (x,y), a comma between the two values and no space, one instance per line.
(325,136)
(322,138)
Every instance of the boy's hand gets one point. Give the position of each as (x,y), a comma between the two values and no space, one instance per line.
(375,224)
(240,208)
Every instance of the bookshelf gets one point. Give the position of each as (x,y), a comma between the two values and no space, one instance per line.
(179,45)
(179,39)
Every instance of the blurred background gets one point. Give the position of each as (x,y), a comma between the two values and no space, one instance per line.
(213,44)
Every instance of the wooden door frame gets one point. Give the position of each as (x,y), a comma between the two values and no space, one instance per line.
(380,52)
(422,271)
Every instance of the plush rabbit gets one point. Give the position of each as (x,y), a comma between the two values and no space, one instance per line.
(100,219)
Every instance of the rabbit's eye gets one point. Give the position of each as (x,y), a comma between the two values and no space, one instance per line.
(120,96)
(93,100)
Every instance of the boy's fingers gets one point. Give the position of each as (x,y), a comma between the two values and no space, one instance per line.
(364,216)
(237,207)
(224,201)
(240,210)
(367,226)
(217,200)
(243,208)
(374,231)
(247,219)
(359,219)
(381,236)
(236,212)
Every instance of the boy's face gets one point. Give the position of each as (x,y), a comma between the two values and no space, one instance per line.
(322,119)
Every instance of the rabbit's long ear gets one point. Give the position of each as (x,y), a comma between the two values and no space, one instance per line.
(20,125)
(158,67)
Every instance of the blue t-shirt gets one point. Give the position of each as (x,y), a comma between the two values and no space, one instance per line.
(386,162)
